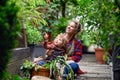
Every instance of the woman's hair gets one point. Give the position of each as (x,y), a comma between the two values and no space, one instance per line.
(78,25)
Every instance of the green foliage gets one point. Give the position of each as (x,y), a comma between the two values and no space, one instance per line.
(29,12)
(30,17)
(55,70)
(26,67)
(34,36)
(50,14)
(6,75)
(16,77)
(59,26)
(9,28)
(54,16)
(99,20)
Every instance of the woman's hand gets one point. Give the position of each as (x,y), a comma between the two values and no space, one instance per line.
(69,58)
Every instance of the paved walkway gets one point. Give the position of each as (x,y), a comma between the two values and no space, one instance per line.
(94,70)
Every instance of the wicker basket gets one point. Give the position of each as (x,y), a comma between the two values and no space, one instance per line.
(41,72)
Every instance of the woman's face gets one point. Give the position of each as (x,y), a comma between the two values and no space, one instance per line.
(71,28)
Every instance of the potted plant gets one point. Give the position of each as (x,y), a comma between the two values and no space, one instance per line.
(101,47)
(34,37)
(29,69)
(99,23)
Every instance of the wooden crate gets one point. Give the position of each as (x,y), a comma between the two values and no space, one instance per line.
(41,72)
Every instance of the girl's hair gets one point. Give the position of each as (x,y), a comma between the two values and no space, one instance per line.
(64,44)
(61,35)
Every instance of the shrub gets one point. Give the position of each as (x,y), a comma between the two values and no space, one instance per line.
(9,29)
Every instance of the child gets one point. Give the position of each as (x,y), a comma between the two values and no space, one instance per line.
(54,49)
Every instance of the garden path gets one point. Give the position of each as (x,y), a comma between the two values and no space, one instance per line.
(94,70)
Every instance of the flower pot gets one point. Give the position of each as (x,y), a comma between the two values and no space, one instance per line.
(99,53)
(41,72)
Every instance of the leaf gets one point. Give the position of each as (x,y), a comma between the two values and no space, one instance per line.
(118,57)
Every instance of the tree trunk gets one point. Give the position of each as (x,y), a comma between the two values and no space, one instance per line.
(63,9)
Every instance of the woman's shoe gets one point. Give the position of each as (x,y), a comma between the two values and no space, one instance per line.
(79,72)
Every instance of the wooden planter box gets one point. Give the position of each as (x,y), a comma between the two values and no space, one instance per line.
(41,72)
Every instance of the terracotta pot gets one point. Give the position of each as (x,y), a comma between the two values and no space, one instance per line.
(41,72)
(99,53)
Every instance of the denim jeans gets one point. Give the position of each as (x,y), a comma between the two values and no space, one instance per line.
(41,62)
(74,67)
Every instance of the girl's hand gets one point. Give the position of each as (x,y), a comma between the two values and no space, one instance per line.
(46,36)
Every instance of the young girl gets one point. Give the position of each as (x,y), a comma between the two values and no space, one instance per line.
(54,49)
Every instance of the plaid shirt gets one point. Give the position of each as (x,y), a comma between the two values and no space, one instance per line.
(77,55)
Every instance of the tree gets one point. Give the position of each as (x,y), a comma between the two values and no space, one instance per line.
(9,32)
(30,13)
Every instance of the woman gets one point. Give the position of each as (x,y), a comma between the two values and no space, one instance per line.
(74,46)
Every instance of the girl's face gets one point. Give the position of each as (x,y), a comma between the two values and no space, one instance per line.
(71,28)
(58,41)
